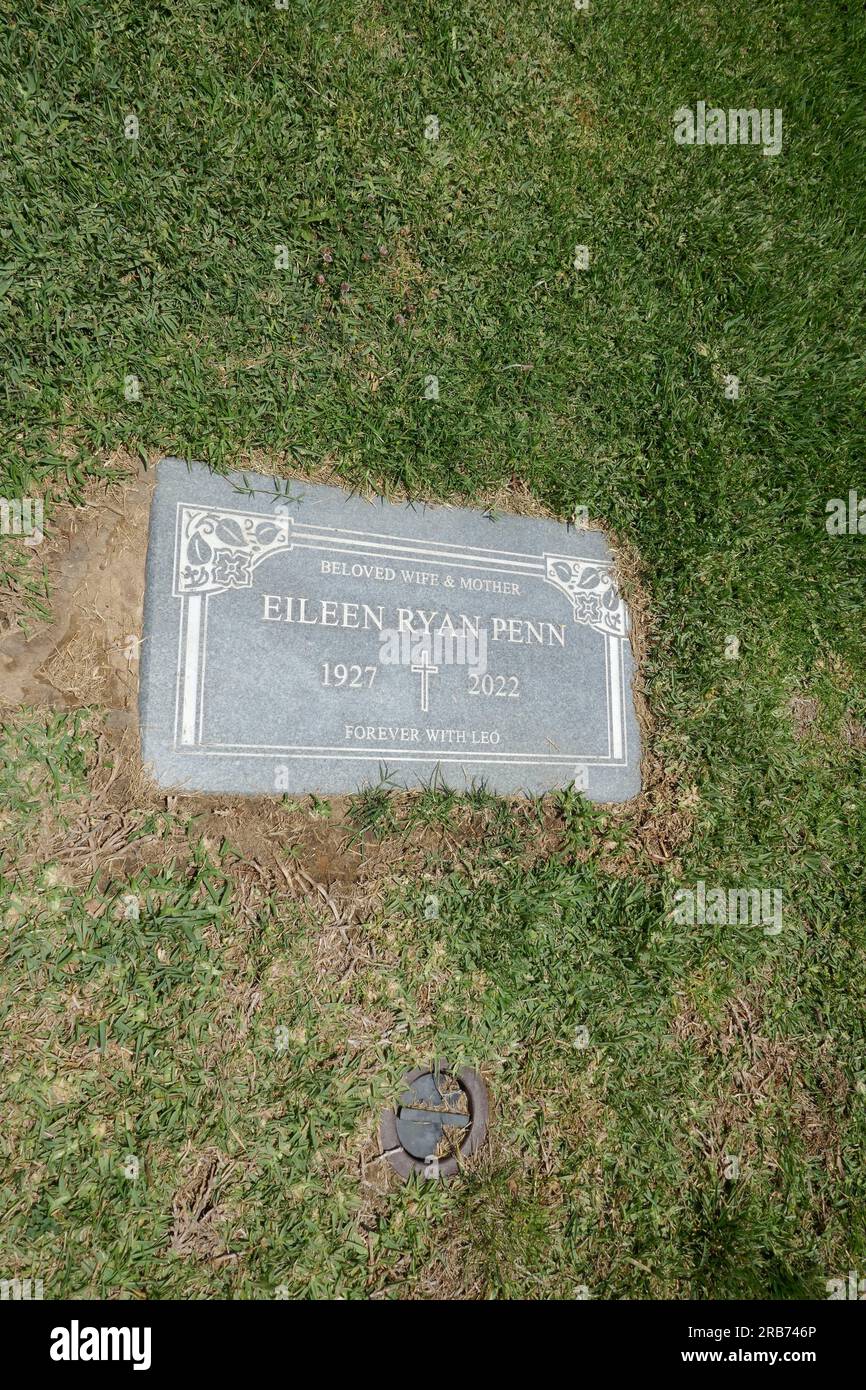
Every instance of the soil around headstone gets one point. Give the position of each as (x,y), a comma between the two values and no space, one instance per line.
(93,560)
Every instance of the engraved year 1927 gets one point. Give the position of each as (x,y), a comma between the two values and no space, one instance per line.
(340,675)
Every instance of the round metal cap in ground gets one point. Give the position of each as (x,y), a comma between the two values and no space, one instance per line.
(437,1104)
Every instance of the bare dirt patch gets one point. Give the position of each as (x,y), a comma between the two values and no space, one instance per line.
(93,560)
(804,712)
(854,732)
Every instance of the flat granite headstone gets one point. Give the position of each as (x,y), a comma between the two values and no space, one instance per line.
(298,639)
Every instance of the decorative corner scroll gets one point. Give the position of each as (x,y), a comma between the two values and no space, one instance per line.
(219,550)
(590,587)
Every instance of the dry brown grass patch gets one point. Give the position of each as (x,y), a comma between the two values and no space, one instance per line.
(199,1218)
(763,1073)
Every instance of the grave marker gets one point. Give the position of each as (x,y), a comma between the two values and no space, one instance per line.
(298,639)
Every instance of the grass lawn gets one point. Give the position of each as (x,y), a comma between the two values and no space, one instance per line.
(196,1041)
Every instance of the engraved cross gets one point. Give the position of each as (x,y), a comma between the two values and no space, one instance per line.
(425,671)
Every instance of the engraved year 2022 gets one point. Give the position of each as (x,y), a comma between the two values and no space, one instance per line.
(501,687)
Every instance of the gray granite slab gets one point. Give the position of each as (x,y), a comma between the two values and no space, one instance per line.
(299,639)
